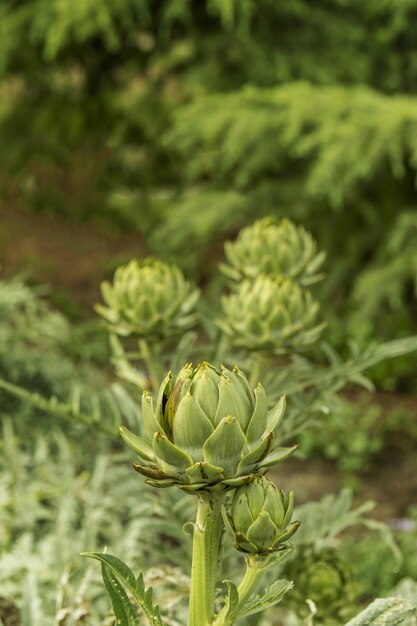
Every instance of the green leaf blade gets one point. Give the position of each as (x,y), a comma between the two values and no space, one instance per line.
(272,596)
(135,586)
(123,609)
(384,612)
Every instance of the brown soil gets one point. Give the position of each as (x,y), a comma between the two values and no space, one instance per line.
(392,486)
(69,257)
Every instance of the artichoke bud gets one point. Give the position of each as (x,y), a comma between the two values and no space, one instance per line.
(272,247)
(326,580)
(207,431)
(270,315)
(148,299)
(260,517)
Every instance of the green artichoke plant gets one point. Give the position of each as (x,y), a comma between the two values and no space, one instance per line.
(260,517)
(272,247)
(269,315)
(326,580)
(207,431)
(148,299)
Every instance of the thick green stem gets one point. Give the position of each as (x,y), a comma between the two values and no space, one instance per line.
(206,547)
(255,566)
(151,358)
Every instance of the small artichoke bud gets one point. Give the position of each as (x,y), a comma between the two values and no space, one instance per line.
(272,247)
(148,299)
(260,517)
(326,580)
(207,431)
(270,315)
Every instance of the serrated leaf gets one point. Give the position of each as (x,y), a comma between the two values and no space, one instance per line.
(384,612)
(272,596)
(232,599)
(123,609)
(135,586)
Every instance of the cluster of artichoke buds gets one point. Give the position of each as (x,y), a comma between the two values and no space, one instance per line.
(208,431)
(148,299)
(272,247)
(270,315)
(260,517)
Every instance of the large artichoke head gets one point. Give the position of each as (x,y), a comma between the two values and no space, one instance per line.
(260,517)
(273,247)
(148,299)
(270,315)
(207,431)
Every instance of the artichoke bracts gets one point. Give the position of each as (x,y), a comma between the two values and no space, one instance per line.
(270,315)
(276,248)
(207,431)
(148,299)
(260,517)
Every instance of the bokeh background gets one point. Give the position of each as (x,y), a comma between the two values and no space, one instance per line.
(132,127)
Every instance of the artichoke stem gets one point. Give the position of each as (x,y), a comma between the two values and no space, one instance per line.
(257,369)
(206,548)
(218,349)
(255,565)
(151,358)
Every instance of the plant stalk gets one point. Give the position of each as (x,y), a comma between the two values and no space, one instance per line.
(258,364)
(206,548)
(151,358)
(255,566)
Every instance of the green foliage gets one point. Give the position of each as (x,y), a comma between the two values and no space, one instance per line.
(359,433)
(32,345)
(57,501)
(272,596)
(40,353)
(352,438)
(312,382)
(384,611)
(149,115)
(373,564)
(115,572)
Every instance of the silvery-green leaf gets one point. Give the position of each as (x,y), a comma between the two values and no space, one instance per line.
(123,609)
(135,586)
(272,596)
(384,612)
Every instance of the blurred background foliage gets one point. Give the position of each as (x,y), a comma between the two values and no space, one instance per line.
(184,120)
(132,126)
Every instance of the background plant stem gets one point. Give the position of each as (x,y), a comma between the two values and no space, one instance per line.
(151,357)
